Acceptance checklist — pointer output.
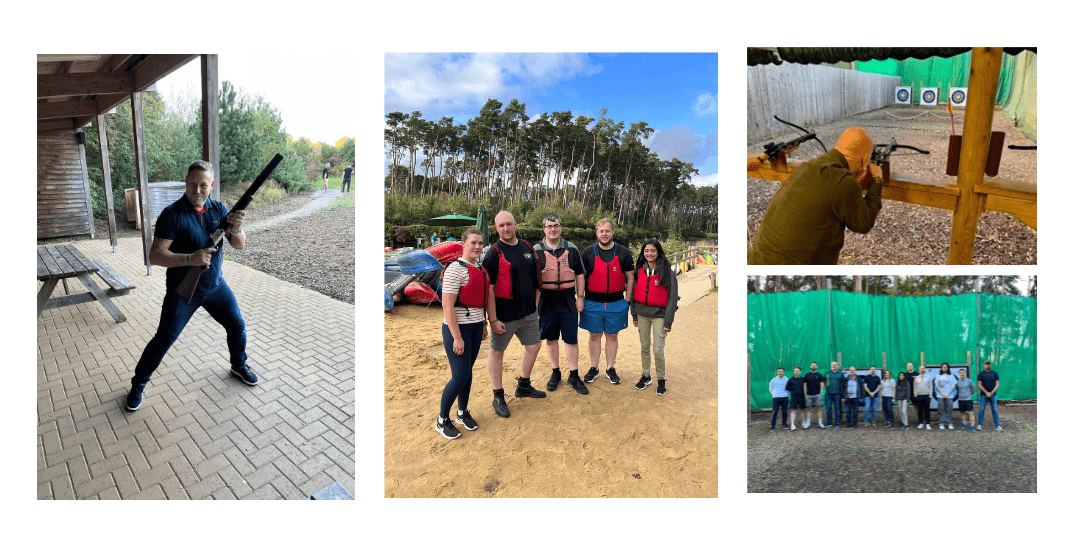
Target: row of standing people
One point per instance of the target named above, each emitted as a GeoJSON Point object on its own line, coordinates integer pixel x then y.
{"type": "Point", "coordinates": [546, 292]}
{"type": "Point", "coordinates": [833, 387]}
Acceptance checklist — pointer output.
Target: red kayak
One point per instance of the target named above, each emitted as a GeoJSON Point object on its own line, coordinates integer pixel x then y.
{"type": "Point", "coordinates": [445, 251]}
{"type": "Point", "coordinates": [420, 293]}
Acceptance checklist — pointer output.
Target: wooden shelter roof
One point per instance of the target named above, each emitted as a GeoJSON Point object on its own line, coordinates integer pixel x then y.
{"type": "Point", "coordinates": [74, 88]}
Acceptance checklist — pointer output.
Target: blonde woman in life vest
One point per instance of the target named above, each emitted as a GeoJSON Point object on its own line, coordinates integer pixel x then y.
{"type": "Point", "coordinates": [653, 305]}
{"type": "Point", "coordinates": [464, 300]}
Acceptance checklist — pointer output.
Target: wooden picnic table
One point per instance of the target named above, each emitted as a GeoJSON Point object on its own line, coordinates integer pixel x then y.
{"type": "Point", "coordinates": [58, 262]}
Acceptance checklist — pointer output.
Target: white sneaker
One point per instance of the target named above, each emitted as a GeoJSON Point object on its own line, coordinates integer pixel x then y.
{"type": "Point", "coordinates": [950, 426]}
{"type": "Point", "coordinates": [979, 428]}
{"type": "Point", "coordinates": [792, 427]}
{"type": "Point", "coordinates": [928, 426]}
{"type": "Point", "coordinates": [820, 424]}
{"type": "Point", "coordinates": [941, 426]}
{"type": "Point", "coordinates": [806, 425]}
{"type": "Point", "coordinates": [920, 426]}
{"type": "Point", "coordinates": [999, 429]}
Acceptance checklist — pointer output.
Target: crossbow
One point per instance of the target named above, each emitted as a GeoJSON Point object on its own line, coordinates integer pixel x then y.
{"type": "Point", "coordinates": [779, 151]}
{"type": "Point", "coordinates": [882, 152]}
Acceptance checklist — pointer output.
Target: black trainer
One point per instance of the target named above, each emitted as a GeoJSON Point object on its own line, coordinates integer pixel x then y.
{"type": "Point", "coordinates": [661, 387]}
{"type": "Point", "coordinates": [612, 376]}
{"type": "Point", "coordinates": [573, 381]}
{"type": "Point", "coordinates": [447, 429]}
{"type": "Point", "coordinates": [245, 374]}
{"type": "Point", "coordinates": [645, 381]}
{"type": "Point", "coordinates": [134, 398]}
{"type": "Point", "coordinates": [525, 389]}
{"type": "Point", "coordinates": [466, 419]}
{"type": "Point", "coordinates": [553, 382]}
{"type": "Point", "coordinates": [500, 407]}
{"type": "Point", "coordinates": [591, 375]}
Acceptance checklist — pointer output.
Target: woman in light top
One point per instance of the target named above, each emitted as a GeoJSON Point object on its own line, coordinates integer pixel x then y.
{"type": "Point", "coordinates": [888, 392]}
{"type": "Point", "coordinates": [464, 301]}
{"type": "Point", "coordinates": [923, 386]}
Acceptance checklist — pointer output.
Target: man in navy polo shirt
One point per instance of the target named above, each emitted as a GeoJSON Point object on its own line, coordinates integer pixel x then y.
{"type": "Point", "coordinates": [182, 230]}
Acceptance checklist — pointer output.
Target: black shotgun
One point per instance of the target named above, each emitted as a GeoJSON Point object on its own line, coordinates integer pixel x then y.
{"type": "Point", "coordinates": [191, 280]}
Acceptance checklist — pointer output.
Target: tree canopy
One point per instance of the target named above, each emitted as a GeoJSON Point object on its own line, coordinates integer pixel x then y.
{"type": "Point", "coordinates": [575, 164]}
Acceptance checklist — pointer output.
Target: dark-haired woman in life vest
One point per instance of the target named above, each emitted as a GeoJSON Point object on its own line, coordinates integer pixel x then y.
{"type": "Point", "coordinates": [609, 280]}
{"type": "Point", "coordinates": [561, 298]}
{"type": "Point", "coordinates": [512, 298]}
{"type": "Point", "coordinates": [653, 305]}
{"type": "Point", "coordinates": [464, 300]}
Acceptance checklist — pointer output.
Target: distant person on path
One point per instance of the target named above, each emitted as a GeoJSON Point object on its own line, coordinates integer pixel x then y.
{"type": "Point", "coordinates": [562, 295]}
{"type": "Point", "coordinates": [924, 385]}
{"type": "Point", "coordinates": [796, 391]}
{"type": "Point", "coordinates": [988, 388]}
{"type": "Point", "coordinates": [609, 282]}
{"type": "Point", "coordinates": [965, 390]}
{"type": "Point", "coordinates": [326, 176]}
{"type": "Point", "coordinates": [346, 180]}
{"type": "Point", "coordinates": [834, 391]}
{"type": "Point", "coordinates": [871, 387]}
{"type": "Point", "coordinates": [903, 395]}
{"type": "Point", "coordinates": [945, 387]}
{"type": "Point", "coordinates": [464, 300]}
{"type": "Point", "coordinates": [513, 295]}
{"type": "Point", "coordinates": [888, 392]}
{"type": "Point", "coordinates": [182, 231]}
{"type": "Point", "coordinates": [805, 222]}
{"type": "Point", "coordinates": [652, 306]}
{"type": "Point", "coordinates": [778, 388]}
{"type": "Point", "coordinates": [853, 395]}
{"type": "Point", "coordinates": [812, 383]}
{"type": "Point", "coordinates": [434, 239]}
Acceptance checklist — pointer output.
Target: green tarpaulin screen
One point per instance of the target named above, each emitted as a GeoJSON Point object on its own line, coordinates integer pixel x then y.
{"type": "Point", "coordinates": [793, 329]}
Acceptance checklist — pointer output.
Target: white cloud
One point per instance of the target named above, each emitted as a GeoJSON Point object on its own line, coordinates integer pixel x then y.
{"type": "Point", "coordinates": [705, 104]}
{"type": "Point", "coordinates": [681, 142]}
{"type": "Point", "coordinates": [706, 180]}
{"type": "Point", "coordinates": [427, 81]}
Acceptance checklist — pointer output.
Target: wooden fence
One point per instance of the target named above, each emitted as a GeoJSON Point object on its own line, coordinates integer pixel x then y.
{"type": "Point", "coordinates": [809, 95]}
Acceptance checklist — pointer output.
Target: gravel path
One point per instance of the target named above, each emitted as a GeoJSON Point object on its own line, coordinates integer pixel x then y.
{"type": "Point", "coordinates": [883, 460]}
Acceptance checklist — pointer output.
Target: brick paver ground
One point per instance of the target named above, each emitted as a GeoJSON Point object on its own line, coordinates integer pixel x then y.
{"type": "Point", "coordinates": [201, 433]}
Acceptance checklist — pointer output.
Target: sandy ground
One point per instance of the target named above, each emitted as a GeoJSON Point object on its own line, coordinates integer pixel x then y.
{"type": "Point", "coordinates": [614, 442]}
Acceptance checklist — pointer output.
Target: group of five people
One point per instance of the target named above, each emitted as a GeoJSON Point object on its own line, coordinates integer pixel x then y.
{"type": "Point", "coordinates": [832, 388]}
{"type": "Point", "coordinates": [545, 292]}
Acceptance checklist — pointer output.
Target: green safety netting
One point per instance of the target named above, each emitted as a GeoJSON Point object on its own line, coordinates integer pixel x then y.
{"type": "Point", "coordinates": [1016, 91]}
{"type": "Point", "coordinates": [793, 329]}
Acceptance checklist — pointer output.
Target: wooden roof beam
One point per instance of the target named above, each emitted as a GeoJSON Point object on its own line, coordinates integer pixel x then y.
{"type": "Point", "coordinates": [68, 109]}
{"type": "Point", "coordinates": [83, 84]}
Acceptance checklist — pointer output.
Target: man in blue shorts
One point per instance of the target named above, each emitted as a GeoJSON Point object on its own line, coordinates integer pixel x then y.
{"type": "Point", "coordinates": [561, 299]}
{"type": "Point", "coordinates": [609, 281]}
{"type": "Point", "coordinates": [513, 295]}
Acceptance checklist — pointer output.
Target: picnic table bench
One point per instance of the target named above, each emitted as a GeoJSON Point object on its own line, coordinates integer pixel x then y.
{"type": "Point", "coordinates": [57, 263]}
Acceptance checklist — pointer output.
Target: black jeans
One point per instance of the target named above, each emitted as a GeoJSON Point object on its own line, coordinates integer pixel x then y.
{"type": "Point", "coordinates": [922, 405]}
{"type": "Point", "coordinates": [779, 403]}
{"type": "Point", "coordinates": [346, 185]}
{"type": "Point", "coordinates": [460, 366]}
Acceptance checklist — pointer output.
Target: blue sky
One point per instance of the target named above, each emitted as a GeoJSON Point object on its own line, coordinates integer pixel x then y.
{"type": "Point", "coordinates": [674, 92]}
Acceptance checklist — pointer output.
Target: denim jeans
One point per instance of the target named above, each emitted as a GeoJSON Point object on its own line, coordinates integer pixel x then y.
{"type": "Point", "coordinates": [219, 302]}
{"type": "Point", "coordinates": [778, 404]}
{"type": "Point", "coordinates": [993, 408]}
{"type": "Point", "coordinates": [852, 411]}
{"type": "Point", "coordinates": [886, 407]}
{"type": "Point", "coordinates": [832, 402]}
{"type": "Point", "coordinates": [461, 365]}
{"type": "Point", "coordinates": [871, 409]}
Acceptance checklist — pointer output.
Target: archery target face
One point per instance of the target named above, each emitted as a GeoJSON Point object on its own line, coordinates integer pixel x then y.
{"type": "Point", "coordinates": [958, 96]}
{"type": "Point", "coordinates": [929, 96]}
{"type": "Point", "coordinates": [903, 95]}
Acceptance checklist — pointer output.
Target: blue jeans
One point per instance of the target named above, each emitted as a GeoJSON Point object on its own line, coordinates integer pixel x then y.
{"type": "Point", "coordinates": [778, 404]}
{"type": "Point", "coordinates": [852, 411]}
{"type": "Point", "coordinates": [871, 409]}
{"type": "Point", "coordinates": [886, 407]}
{"type": "Point", "coordinates": [832, 402]}
{"type": "Point", "coordinates": [993, 408]}
{"type": "Point", "coordinates": [461, 365]}
{"type": "Point", "coordinates": [219, 302]}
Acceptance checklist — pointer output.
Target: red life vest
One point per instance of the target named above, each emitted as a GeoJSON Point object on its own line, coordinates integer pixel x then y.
{"type": "Point", "coordinates": [557, 274]}
{"type": "Point", "coordinates": [606, 278]}
{"type": "Point", "coordinates": [649, 291]}
{"type": "Point", "coordinates": [473, 295]}
{"type": "Point", "coordinates": [504, 286]}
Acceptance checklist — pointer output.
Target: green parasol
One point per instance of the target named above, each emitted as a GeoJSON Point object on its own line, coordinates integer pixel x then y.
{"type": "Point", "coordinates": [449, 220]}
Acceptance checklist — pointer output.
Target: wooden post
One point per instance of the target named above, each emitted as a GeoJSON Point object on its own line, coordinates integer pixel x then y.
{"type": "Point", "coordinates": [883, 368]}
{"type": "Point", "coordinates": [978, 121]}
{"type": "Point", "coordinates": [922, 359]}
{"type": "Point", "coordinates": [86, 184]}
{"type": "Point", "coordinates": [103, 145]}
{"type": "Point", "coordinates": [211, 97]}
{"type": "Point", "coordinates": [139, 134]}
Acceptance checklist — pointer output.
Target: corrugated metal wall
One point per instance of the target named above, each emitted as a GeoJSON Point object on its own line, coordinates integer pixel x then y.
{"type": "Point", "coordinates": [809, 95]}
{"type": "Point", "coordinates": [63, 203]}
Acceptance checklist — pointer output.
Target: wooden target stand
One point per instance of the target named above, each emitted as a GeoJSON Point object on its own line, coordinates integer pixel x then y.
{"type": "Point", "coordinates": [971, 195]}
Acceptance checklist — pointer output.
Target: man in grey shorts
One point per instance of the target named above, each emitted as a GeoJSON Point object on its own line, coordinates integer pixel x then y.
{"type": "Point", "coordinates": [513, 295]}
{"type": "Point", "coordinates": [812, 384]}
